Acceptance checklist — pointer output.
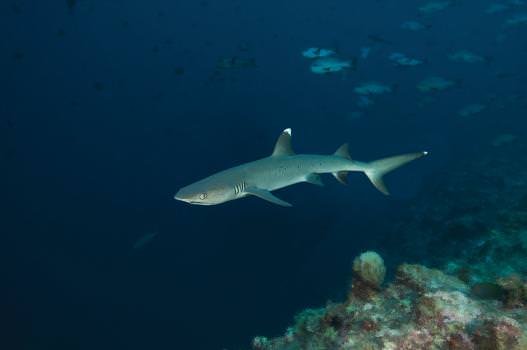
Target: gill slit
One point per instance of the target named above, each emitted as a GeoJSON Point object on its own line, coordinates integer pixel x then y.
{"type": "Point", "coordinates": [239, 188]}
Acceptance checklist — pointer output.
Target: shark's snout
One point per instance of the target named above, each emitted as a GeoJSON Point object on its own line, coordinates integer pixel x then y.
{"type": "Point", "coordinates": [191, 195]}
{"type": "Point", "coordinates": [180, 196]}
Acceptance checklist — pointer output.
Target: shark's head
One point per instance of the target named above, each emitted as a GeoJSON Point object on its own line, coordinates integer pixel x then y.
{"type": "Point", "coordinates": [206, 192]}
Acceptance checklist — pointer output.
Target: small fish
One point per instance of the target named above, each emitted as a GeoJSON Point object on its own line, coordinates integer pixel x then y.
{"type": "Point", "coordinates": [144, 240]}
{"type": "Point", "coordinates": [414, 26]}
{"type": "Point", "coordinates": [315, 52]}
{"type": "Point", "coordinates": [496, 8]}
{"type": "Point", "coordinates": [400, 59]}
{"type": "Point", "coordinates": [18, 55]}
{"type": "Point", "coordinates": [244, 47]}
{"type": "Point", "coordinates": [379, 39]}
{"type": "Point", "coordinates": [425, 101]}
{"type": "Point", "coordinates": [235, 63]}
{"type": "Point", "coordinates": [98, 86]}
{"type": "Point", "coordinates": [15, 7]}
{"type": "Point", "coordinates": [179, 71]}
{"type": "Point", "coordinates": [365, 52]}
{"type": "Point", "coordinates": [467, 56]}
{"type": "Point", "coordinates": [328, 65]}
{"type": "Point", "coordinates": [434, 84]}
{"type": "Point", "coordinates": [503, 139]}
{"type": "Point", "coordinates": [501, 37]}
{"type": "Point", "coordinates": [518, 19]}
{"type": "Point", "coordinates": [471, 109]}
{"type": "Point", "coordinates": [487, 290]}
{"type": "Point", "coordinates": [71, 5]}
{"type": "Point", "coordinates": [355, 115]}
{"type": "Point", "coordinates": [372, 88]}
{"type": "Point", "coordinates": [434, 6]}
{"type": "Point", "coordinates": [364, 101]}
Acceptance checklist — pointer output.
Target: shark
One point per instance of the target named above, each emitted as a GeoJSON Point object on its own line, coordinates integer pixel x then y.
{"type": "Point", "coordinates": [284, 168]}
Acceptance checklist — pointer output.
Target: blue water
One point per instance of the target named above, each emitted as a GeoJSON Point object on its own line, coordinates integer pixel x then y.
{"type": "Point", "coordinates": [108, 108]}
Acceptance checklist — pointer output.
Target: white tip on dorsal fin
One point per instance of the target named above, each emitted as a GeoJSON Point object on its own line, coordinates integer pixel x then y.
{"type": "Point", "coordinates": [283, 144]}
{"type": "Point", "coordinates": [343, 152]}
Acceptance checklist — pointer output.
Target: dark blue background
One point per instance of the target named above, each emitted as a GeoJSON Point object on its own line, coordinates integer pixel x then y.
{"type": "Point", "coordinates": [98, 132]}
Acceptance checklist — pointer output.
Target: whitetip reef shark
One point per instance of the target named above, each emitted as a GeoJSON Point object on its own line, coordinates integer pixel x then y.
{"type": "Point", "coordinates": [284, 168]}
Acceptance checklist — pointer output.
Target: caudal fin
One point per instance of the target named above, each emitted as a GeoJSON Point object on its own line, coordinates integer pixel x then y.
{"type": "Point", "coordinates": [378, 168]}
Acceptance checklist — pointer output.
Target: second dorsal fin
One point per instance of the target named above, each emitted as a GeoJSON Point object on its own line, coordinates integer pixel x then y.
{"type": "Point", "coordinates": [283, 144]}
{"type": "Point", "coordinates": [343, 152]}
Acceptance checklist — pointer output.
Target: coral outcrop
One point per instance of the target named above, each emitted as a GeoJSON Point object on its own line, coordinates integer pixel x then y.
{"type": "Point", "coordinates": [421, 309]}
{"type": "Point", "coordinates": [368, 274]}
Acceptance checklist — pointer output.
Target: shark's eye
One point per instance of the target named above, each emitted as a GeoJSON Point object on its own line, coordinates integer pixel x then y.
{"type": "Point", "coordinates": [202, 196]}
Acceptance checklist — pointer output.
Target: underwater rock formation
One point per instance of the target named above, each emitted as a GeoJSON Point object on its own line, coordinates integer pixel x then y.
{"type": "Point", "coordinates": [421, 309]}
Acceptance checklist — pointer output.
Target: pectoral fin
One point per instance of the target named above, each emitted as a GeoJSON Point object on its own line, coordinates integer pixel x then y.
{"type": "Point", "coordinates": [266, 195]}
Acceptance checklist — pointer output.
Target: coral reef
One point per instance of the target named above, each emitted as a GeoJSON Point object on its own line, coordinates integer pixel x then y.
{"type": "Point", "coordinates": [470, 229]}
{"type": "Point", "coordinates": [421, 309]}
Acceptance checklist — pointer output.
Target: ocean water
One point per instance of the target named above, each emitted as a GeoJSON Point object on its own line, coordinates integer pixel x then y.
{"type": "Point", "coordinates": [109, 107]}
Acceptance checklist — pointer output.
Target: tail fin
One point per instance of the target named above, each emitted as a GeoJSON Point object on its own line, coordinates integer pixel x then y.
{"type": "Point", "coordinates": [378, 168]}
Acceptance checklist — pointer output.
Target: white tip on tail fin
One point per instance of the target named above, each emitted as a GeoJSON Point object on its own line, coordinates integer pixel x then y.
{"type": "Point", "coordinates": [378, 168]}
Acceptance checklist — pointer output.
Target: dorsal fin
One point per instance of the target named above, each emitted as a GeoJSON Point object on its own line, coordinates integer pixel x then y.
{"type": "Point", "coordinates": [343, 152]}
{"type": "Point", "coordinates": [283, 144]}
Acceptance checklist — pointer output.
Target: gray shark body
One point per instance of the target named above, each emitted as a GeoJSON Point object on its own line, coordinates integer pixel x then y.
{"type": "Point", "coordinates": [284, 168]}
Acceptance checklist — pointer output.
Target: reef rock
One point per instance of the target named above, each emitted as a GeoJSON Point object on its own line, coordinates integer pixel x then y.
{"type": "Point", "coordinates": [424, 279]}
{"type": "Point", "coordinates": [422, 309]}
